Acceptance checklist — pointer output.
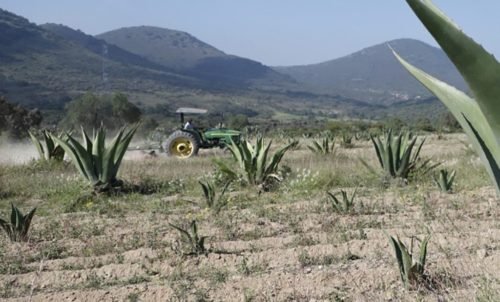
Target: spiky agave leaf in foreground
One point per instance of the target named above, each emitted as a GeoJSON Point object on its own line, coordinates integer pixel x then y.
{"type": "Point", "coordinates": [479, 117]}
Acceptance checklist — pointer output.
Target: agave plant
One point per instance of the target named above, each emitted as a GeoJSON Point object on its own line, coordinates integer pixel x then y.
{"type": "Point", "coordinates": [324, 147]}
{"type": "Point", "coordinates": [254, 163]}
{"type": "Point", "coordinates": [478, 116]}
{"type": "Point", "coordinates": [193, 244]}
{"type": "Point", "coordinates": [347, 140]}
{"type": "Point", "coordinates": [214, 202]}
{"type": "Point", "coordinates": [445, 180]}
{"type": "Point", "coordinates": [47, 148]}
{"type": "Point", "coordinates": [411, 270]}
{"type": "Point", "coordinates": [17, 229]}
{"type": "Point", "coordinates": [399, 155]}
{"type": "Point", "coordinates": [95, 162]}
{"type": "Point", "coordinates": [343, 205]}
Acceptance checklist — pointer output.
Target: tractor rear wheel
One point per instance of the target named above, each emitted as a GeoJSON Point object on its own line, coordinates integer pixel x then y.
{"type": "Point", "coordinates": [181, 144]}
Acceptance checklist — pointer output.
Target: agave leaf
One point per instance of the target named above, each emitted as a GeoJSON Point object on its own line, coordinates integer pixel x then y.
{"type": "Point", "coordinates": [376, 142]}
{"type": "Point", "coordinates": [26, 224]}
{"type": "Point", "coordinates": [122, 149]}
{"type": "Point", "coordinates": [108, 167]}
{"type": "Point", "coordinates": [405, 160]}
{"type": "Point", "coordinates": [183, 232]}
{"type": "Point", "coordinates": [469, 116]}
{"type": "Point", "coordinates": [407, 262]}
{"type": "Point", "coordinates": [423, 254]}
{"type": "Point", "coordinates": [451, 178]}
{"type": "Point", "coordinates": [78, 152]}
{"type": "Point", "coordinates": [480, 118]}
{"type": "Point", "coordinates": [399, 257]}
{"type": "Point", "coordinates": [98, 150]}
{"type": "Point", "coordinates": [261, 162]}
{"type": "Point", "coordinates": [478, 67]}
{"type": "Point", "coordinates": [38, 145]}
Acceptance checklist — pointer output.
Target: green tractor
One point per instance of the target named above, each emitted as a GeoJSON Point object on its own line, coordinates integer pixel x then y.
{"type": "Point", "coordinates": [186, 141]}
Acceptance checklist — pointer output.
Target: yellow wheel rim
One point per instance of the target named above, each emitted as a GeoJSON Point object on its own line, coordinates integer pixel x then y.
{"type": "Point", "coordinates": [181, 147]}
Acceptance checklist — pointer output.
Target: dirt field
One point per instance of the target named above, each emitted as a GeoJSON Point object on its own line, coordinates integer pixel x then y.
{"type": "Point", "coordinates": [284, 245]}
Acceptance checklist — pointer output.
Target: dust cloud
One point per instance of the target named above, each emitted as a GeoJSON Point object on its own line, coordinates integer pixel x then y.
{"type": "Point", "coordinates": [15, 153]}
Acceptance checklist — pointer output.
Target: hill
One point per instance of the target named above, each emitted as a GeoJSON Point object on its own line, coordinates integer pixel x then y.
{"type": "Point", "coordinates": [171, 48]}
{"type": "Point", "coordinates": [374, 75]}
{"type": "Point", "coordinates": [40, 67]}
{"type": "Point", "coordinates": [99, 46]}
{"type": "Point", "coordinates": [181, 51]}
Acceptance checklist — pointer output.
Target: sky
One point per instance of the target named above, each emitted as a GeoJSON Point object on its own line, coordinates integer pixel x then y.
{"type": "Point", "coordinates": [274, 32]}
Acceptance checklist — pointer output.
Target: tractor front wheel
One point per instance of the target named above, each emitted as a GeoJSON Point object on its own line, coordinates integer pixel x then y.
{"type": "Point", "coordinates": [181, 144]}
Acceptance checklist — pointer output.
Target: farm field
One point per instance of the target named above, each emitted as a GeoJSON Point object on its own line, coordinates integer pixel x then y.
{"type": "Point", "coordinates": [287, 244]}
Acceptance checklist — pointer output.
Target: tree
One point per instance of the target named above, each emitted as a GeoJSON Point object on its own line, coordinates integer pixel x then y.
{"type": "Point", "coordinates": [17, 120]}
{"type": "Point", "coordinates": [91, 111]}
{"type": "Point", "coordinates": [124, 112]}
{"type": "Point", "coordinates": [238, 121]}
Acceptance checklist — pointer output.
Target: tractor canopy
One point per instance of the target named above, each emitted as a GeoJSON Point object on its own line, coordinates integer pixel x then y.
{"type": "Point", "coordinates": [187, 110]}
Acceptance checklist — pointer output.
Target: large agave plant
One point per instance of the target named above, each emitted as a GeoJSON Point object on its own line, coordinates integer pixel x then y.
{"type": "Point", "coordinates": [254, 161]}
{"type": "Point", "coordinates": [478, 116]}
{"type": "Point", "coordinates": [47, 148]}
{"type": "Point", "coordinates": [399, 155]}
{"type": "Point", "coordinates": [95, 162]}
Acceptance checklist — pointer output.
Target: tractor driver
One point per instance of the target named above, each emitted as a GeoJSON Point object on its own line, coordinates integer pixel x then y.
{"type": "Point", "coordinates": [189, 125]}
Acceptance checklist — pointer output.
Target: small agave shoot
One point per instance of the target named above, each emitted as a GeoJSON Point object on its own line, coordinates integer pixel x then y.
{"type": "Point", "coordinates": [344, 204]}
{"type": "Point", "coordinates": [399, 155]}
{"type": "Point", "coordinates": [96, 163]}
{"type": "Point", "coordinates": [214, 202]}
{"type": "Point", "coordinates": [412, 271]}
{"type": "Point", "coordinates": [191, 243]}
{"type": "Point", "coordinates": [324, 147]}
{"type": "Point", "coordinates": [445, 180]}
{"type": "Point", "coordinates": [347, 141]}
{"type": "Point", "coordinates": [478, 116]}
{"type": "Point", "coordinates": [255, 164]}
{"type": "Point", "coordinates": [47, 148]}
{"type": "Point", "coordinates": [17, 229]}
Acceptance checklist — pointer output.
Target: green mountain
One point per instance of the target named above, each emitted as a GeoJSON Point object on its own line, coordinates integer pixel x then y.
{"type": "Point", "coordinates": [45, 66]}
{"type": "Point", "coordinates": [374, 75]}
{"type": "Point", "coordinates": [100, 47]}
{"type": "Point", "coordinates": [182, 52]}
{"type": "Point", "coordinates": [171, 48]}
{"type": "Point", "coordinates": [40, 67]}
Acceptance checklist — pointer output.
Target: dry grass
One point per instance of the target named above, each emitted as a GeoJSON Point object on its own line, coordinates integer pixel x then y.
{"type": "Point", "coordinates": [286, 245]}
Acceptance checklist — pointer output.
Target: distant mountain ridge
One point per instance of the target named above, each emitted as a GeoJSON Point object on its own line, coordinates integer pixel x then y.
{"type": "Point", "coordinates": [181, 51]}
{"type": "Point", "coordinates": [47, 65]}
{"type": "Point", "coordinates": [166, 47]}
{"type": "Point", "coordinates": [99, 46]}
{"type": "Point", "coordinates": [374, 75]}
